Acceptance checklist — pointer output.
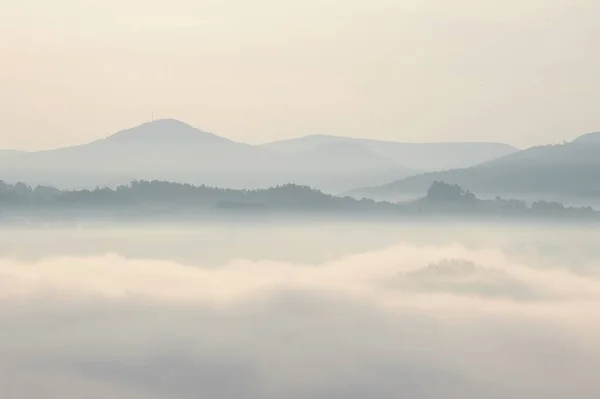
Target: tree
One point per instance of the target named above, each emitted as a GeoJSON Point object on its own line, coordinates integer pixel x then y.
{"type": "Point", "coordinates": [444, 192]}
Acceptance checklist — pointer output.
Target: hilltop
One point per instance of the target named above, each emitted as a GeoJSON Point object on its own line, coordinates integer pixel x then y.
{"type": "Point", "coordinates": [173, 150]}
{"type": "Point", "coordinates": [563, 171]}
{"type": "Point", "coordinates": [418, 156]}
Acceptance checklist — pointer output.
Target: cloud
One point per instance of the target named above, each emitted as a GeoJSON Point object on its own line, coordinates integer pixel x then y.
{"type": "Point", "coordinates": [467, 278]}
{"type": "Point", "coordinates": [406, 321]}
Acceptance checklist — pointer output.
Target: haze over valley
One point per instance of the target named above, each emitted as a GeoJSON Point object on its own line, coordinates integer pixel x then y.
{"type": "Point", "coordinates": [303, 310]}
{"type": "Point", "coordinates": [565, 172]}
{"type": "Point", "coordinates": [317, 199]}
{"type": "Point", "coordinates": [172, 150]}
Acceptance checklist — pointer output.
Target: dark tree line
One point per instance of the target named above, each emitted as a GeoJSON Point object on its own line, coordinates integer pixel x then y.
{"type": "Point", "coordinates": [162, 192]}
{"type": "Point", "coordinates": [441, 197]}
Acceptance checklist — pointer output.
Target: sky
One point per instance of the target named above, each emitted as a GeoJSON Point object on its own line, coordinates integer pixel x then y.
{"type": "Point", "coordinates": [524, 73]}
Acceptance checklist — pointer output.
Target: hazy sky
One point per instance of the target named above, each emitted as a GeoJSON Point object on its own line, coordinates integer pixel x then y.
{"type": "Point", "coordinates": [522, 72]}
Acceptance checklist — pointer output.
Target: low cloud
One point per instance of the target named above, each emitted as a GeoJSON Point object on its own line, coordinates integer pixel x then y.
{"type": "Point", "coordinates": [406, 321]}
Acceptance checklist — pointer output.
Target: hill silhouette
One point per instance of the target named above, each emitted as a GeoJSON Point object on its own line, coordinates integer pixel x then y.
{"type": "Point", "coordinates": [8, 154]}
{"type": "Point", "coordinates": [172, 150]}
{"type": "Point", "coordinates": [418, 156]}
{"type": "Point", "coordinates": [593, 137]}
{"type": "Point", "coordinates": [563, 171]}
{"type": "Point", "coordinates": [164, 132]}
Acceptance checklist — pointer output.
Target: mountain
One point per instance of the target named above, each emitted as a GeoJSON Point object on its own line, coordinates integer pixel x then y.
{"type": "Point", "coordinates": [559, 172]}
{"type": "Point", "coordinates": [593, 137]}
{"type": "Point", "coordinates": [161, 149]}
{"type": "Point", "coordinates": [418, 156]}
{"type": "Point", "coordinates": [172, 150]}
{"type": "Point", "coordinates": [8, 154]}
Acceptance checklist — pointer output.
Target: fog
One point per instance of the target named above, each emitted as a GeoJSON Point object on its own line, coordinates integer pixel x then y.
{"type": "Point", "coordinates": [304, 310]}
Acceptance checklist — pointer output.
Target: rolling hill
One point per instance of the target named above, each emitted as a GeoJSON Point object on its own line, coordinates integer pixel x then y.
{"type": "Point", "coordinates": [172, 150]}
{"type": "Point", "coordinates": [558, 172]}
{"type": "Point", "coordinates": [8, 154]}
{"type": "Point", "coordinates": [424, 157]}
{"type": "Point", "coordinates": [593, 137]}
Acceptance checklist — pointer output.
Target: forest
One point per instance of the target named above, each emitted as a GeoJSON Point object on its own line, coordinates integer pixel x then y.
{"type": "Point", "coordinates": [145, 195]}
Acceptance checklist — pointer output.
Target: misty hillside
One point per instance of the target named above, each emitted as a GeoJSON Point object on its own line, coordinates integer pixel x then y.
{"type": "Point", "coordinates": [8, 154]}
{"type": "Point", "coordinates": [172, 150]}
{"type": "Point", "coordinates": [564, 171]}
{"type": "Point", "coordinates": [150, 199]}
{"type": "Point", "coordinates": [418, 156]}
{"type": "Point", "coordinates": [593, 137]}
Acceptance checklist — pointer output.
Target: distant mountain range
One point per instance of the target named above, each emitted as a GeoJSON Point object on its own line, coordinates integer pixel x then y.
{"type": "Point", "coordinates": [172, 150]}
{"type": "Point", "coordinates": [559, 172]}
{"type": "Point", "coordinates": [417, 156]}
{"type": "Point", "coordinates": [8, 154]}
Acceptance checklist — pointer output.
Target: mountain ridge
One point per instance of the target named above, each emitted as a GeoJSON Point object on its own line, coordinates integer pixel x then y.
{"type": "Point", "coordinates": [571, 169]}
{"type": "Point", "coordinates": [173, 150]}
{"type": "Point", "coordinates": [589, 137]}
{"type": "Point", "coordinates": [417, 156]}
{"type": "Point", "coordinates": [163, 130]}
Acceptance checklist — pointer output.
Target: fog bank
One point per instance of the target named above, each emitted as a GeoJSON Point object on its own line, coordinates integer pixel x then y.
{"type": "Point", "coordinates": [405, 320]}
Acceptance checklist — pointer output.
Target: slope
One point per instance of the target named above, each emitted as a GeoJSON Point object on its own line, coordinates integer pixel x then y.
{"type": "Point", "coordinates": [175, 151]}
{"type": "Point", "coordinates": [564, 171]}
{"type": "Point", "coordinates": [417, 156]}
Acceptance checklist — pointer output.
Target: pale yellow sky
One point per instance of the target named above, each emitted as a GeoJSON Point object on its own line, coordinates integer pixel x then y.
{"type": "Point", "coordinates": [522, 72]}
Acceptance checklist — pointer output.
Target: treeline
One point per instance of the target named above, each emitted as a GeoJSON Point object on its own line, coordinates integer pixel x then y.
{"type": "Point", "coordinates": [452, 196]}
{"type": "Point", "coordinates": [162, 192]}
{"type": "Point", "coordinates": [145, 196]}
